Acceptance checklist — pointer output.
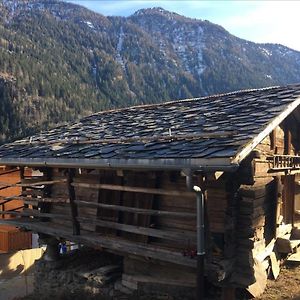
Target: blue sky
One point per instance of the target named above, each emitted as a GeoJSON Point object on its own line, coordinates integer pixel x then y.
{"type": "Point", "coordinates": [258, 21]}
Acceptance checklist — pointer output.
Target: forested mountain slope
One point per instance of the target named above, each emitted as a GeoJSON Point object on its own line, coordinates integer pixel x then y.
{"type": "Point", "coordinates": [60, 61]}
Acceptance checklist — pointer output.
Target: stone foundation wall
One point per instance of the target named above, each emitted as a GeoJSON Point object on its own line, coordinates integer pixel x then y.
{"type": "Point", "coordinates": [91, 274]}
{"type": "Point", "coordinates": [77, 273]}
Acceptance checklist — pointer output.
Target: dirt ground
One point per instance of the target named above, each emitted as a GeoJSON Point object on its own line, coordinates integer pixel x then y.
{"type": "Point", "coordinates": [287, 285]}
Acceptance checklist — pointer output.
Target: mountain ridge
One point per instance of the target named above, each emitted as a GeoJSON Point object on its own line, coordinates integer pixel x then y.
{"type": "Point", "coordinates": [68, 62]}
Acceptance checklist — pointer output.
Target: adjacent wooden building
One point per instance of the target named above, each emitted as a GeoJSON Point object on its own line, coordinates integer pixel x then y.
{"type": "Point", "coordinates": [122, 181]}
{"type": "Point", "coordinates": [11, 238]}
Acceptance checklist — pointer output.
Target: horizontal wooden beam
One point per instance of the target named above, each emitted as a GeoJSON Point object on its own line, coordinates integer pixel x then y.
{"type": "Point", "coordinates": [9, 171]}
{"type": "Point", "coordinates": [186, 237]}
{"type": "Point", "coordinates": [97, 240]}
{"type": "Point", "coordinates": [34, 184]}
{"type": "Point", "coordinates": [5, 201]}
{"type": "Point", "coordinates": [34, 199]}
{"type": "Point", "coordinates": [136, 210]}
{"type": "Point", "coordinates": [33, 213]}
{"type": "Point", "coordinates": [2, 198]}
{"type": "Point", "coordinates": [122, 188]}
{"type": "Point", "coordinates": [178, 236]}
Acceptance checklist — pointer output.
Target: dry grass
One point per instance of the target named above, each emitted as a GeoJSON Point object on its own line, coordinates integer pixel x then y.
{"type": "Point", "coordinates": [287, 285]}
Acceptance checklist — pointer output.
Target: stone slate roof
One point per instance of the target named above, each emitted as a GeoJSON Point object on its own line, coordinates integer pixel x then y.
{"type": "Point", "coordinates": [203, 128]}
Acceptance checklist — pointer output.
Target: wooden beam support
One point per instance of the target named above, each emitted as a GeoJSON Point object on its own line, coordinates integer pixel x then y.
{"type": "Point", "coordinates": [178, 236]}
{"type": "Point", "coordinates": [273, 140]}
{"type": "Point", "coordinates": [29, 185]}
{"type": "Point", "coordinates": [135, 210]}
{"type": "Point", "coordinates": [9, 171]}
{"type": "Point", "coordinates": [185, 237]}
{"type": "Point", "coordinates": [34, 199]}
{"type": "Point", "coordinates": [32, 213]}
{"type": "Point", "coordinates": [122, 188]}
{"type": "Point", "coordinates": [288, 199]}
{"type": "Point", "coordinates": [113, 244]}
{"type": "Point", "coordinates": [287, 139]}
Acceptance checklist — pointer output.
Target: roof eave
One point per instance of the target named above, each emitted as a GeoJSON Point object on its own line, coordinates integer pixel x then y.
{"type": "Point", "coordinates": [197, 164]}
{"type": "Point", "coordinates": [245, 150]}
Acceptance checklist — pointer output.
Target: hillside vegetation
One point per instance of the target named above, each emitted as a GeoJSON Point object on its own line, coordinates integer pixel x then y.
{"type": "Point", "coordinates": [60, 61]}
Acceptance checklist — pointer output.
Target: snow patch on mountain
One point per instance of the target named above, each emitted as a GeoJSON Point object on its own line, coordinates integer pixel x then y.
{"type": "Point", "coordinates": [119, 58]}
{"type": "Point", "coordinates": [89, 24]}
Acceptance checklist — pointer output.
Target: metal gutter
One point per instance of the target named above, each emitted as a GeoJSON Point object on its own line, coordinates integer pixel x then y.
{"type": "Point", "coordinates": [211, 165]}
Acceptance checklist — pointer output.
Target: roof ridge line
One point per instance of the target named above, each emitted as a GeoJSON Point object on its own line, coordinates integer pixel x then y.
{"type": "Point", "coordinates": [183, 100]}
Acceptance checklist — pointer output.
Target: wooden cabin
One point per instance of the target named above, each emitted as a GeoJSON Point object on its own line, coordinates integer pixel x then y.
{"type": "Point", "coordinates": [122, 181]}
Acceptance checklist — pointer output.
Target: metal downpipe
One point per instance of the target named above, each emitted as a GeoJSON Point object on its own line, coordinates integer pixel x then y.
{"type": "Point", "coordinates": [200, 234]}
{"type": "Point", "coordinates": [200, 242]}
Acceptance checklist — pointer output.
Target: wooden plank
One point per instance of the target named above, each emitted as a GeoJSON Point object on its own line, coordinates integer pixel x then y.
{"type": "Point", "coordinates": [106, 197]}
{"type": "Point", "coordinates": [288, 199]}
{"type": "Point", "coordinates": [168, 235]}
{"type": "Point", "coordinates": [275, 265]}
{"type": "Point", "coordinates": [137, 210]}
{"type": "Point", "coordinates": [34, 199]}
{"type": "Point", "coordinates": [34, 184]}
{"type": "Point", "coordinates": [9, 171]}
{"type": "Point", "coordinates": [260, 257]}
{"type": "Point", "coordinates": [72, 198]}
{"type": "Point", "coordinates": [135, 189]}
{"type": "Point", "coordinates": [287, 140]}
{"type": "Point", "coordinates": [136, 279]}
{"type": "Point", "coordinates": [33, 213]}
{"type": "Point", "coordinates": [260, 275]}
{"type": "Point", "coordinates": [294, 258]}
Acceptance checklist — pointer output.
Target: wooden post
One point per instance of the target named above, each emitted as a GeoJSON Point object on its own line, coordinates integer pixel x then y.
{"type": "Point", "coordinates": [22, 176]}
{"type": "Point", "coordinates": [287, 139]}
{"type": "Point", "coordinates": [72, 198]}
{"type": "Point", "coordinates": [278, 208]}
{"type": "Point", "coordinates": [228, 293]}
{"type": "Point", "coordinates": [120, 216]}
{"type": "Point", "coordinates": [45, 207]}
{"type": "Point", "coordinates": [289, 199]}
{"type": "Point", "coordinates": [273, 140]}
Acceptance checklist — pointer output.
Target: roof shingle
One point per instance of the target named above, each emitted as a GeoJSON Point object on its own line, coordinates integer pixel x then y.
{"type": "Point", "coordinates": [207, 127]}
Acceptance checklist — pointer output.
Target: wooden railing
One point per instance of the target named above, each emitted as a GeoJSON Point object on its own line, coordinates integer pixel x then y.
{"type": "Point", "coordinates": [284, 162]}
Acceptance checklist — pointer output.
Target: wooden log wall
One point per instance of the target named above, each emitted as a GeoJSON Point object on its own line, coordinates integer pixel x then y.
{"type": "Point", "coordinates": [146, 214]}
{"type": "Point", "coordinates": [217, 202]}
{"type": "Point", "coordinates": [263, 206]}
{"type": "Point", "coordinates": [141, 207]}
{"type": "Point", "coordinates": [283, 140]}
{"type": "Point", "coordinates": [255, 229]}
{"type": "Point", "coordinates": [174, 181]}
